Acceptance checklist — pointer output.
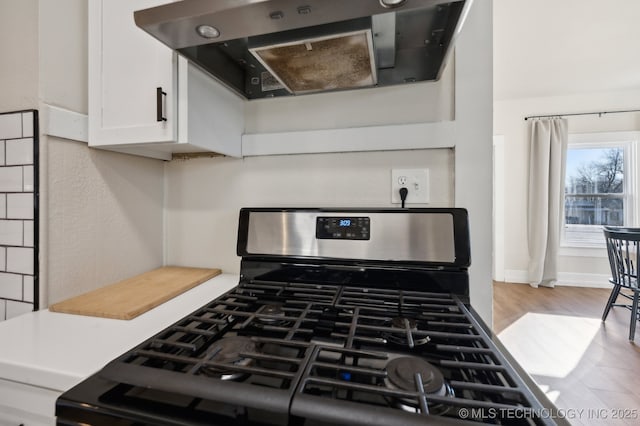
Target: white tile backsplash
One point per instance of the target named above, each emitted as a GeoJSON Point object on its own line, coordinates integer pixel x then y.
{"type": "Point", "coordinates": [20, 206]}
{"type": "Point", "coordinates": [11, 179]}
{"type": "Point", "coordinates": [18, 308]}
{"type": "Point", "coordinates": [20, 260]}
{"type": "Point", "coordinates": [17, 201]}
{"type": "Point", "coordinates": [11, 233]}
{"type": "Point", "coordinates": [28, 233]}
{"type": "Point", "coordinates": [27, 178]}
{"type": "Point", "coordinates": [27, 289]}
{"type": "Point", "coordinates": [19, 151]}
{"type": "Point", "coordinates": [10, 126]}
{"type": "Point", "coordinates": [27, 124]}
{"type": "Point", "coordinates": [3, 206]}
{"type": "Point", "coordinates": [10, 286]}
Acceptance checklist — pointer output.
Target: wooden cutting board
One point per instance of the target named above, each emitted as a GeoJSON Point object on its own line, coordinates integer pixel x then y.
{"type": "Point", "coordinates": [134, 296]}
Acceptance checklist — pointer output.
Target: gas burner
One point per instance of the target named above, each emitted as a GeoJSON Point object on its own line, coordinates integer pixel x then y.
{"type": "Point", "coordinates": [401, 374]}
{"type": "Point", "coordinates": [275, 314]}
{"type": "Point", "coordinates": [401, 322]}
{"type": "Point", "coordinates": [228, 351]}
{"type": "Point", "coordinates": [401, 336]}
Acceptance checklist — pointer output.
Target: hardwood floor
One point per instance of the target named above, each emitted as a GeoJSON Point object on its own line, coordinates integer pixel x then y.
{"type": "Point", "coordinates": [585, 366]}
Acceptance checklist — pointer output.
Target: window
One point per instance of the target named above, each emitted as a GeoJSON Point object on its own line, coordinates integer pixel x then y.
{"type": "Point", "coordinates": [598, 186]}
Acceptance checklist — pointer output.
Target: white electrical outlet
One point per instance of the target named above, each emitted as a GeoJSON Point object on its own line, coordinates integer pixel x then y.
{"type": "Point", "coordinates": [415, 180]}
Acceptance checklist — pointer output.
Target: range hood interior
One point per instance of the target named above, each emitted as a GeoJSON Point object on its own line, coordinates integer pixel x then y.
{"type": "Point", "coordinates": [274, 48]}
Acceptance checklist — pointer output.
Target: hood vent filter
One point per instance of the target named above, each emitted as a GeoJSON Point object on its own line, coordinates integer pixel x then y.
{"type": "Point", "coordinates": [340, 61]}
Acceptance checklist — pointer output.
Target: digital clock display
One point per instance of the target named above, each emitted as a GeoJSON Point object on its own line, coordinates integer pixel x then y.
{"type": "Point", "coordinates": [343, 228]}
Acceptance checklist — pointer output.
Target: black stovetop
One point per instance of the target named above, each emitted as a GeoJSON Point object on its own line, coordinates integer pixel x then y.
{"type": "Point", "coordinates": [320, 341]}
{"type": "Point", "coordinates": [289, 352]}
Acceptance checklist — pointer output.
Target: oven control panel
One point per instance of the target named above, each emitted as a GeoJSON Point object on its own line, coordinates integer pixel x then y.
{"type": "Point", "coordinates": [343, 228]}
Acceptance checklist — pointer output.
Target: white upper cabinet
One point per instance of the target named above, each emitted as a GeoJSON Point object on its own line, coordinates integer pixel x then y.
{"type": "Point", "coordinates": [145, 99]}
{"type": "Point", "coordinates": [126, 67]}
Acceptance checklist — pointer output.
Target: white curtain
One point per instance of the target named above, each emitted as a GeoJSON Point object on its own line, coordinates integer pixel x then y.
{"type": "Point", "coordinates": [547, 154]}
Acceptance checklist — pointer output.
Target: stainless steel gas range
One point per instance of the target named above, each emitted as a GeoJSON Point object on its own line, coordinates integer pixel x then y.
{"type": "Point", "coordinates": [341, 316]}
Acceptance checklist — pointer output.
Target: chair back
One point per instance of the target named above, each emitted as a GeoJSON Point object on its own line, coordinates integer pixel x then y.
{"type": "Point", "coordinates": [624, 256]}
{"type": "Point", "coordinates": [620, 228]}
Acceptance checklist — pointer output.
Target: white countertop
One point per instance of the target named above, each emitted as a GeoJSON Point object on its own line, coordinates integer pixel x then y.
{"type": "Point", "coordinates": [56, 351]}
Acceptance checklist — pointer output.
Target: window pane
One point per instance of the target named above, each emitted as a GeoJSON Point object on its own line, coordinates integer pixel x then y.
{"type": "Point", "coordinates": [594, 193]}
{"type": "Point", "coordinates": [593, 210]}
{"type": "Point", "coordinates": [594, 171]}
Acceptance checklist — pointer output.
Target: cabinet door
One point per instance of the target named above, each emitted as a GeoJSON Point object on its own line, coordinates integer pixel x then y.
{"type": "Point", "coordinates": [126, 66]}
{"type": "Point", "coordinates": [22, 404]}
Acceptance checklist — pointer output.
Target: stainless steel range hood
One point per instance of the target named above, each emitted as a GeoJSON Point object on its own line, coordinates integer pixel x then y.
{"type": "Point", "coordinates": [266, 48]}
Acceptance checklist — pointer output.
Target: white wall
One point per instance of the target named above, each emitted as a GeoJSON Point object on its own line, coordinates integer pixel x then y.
{"type": "Point", "coordinates": [62, 53]}
{"type": "Point", "coordinates": [474, 147]}
{"type": "Point", "coordinates": [509, 122]}
{"type": "Point", "coordinates": [19, 53]}
{"type": "Point", "coordinates": [104, 217]}
{"type": "Point", "coordinates": [202, 206]}
{"type": "Point", "coordinates": [205, 195]}
{"type": "Point", "coordinates": [549, 47]}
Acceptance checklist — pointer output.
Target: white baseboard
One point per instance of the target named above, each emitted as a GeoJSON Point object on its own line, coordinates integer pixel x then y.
{"type": "Point", "coordinates": [575, 279]}
{"type": "Point", "coordinates": [567, 279]}
{"type": "Point", "coordinates": [516, 276]}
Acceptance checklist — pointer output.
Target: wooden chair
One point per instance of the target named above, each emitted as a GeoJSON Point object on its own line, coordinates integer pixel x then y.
{"type": "Point", "coordinates": [624, 259]}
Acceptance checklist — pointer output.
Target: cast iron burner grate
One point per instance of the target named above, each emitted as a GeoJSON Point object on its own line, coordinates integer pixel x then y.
{"type": "Point", "coordinates": [270, 342]}
{"type": "Point", "coordinates": [360, 382]}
